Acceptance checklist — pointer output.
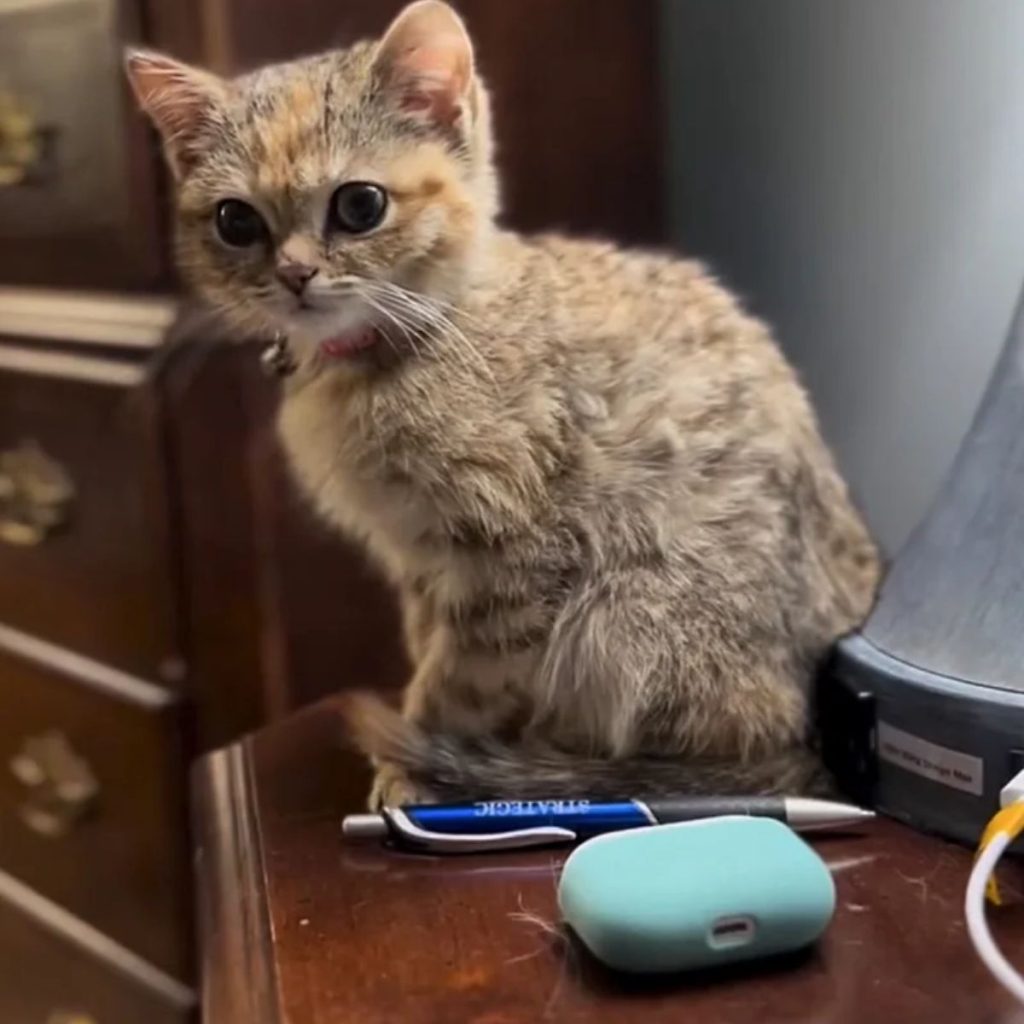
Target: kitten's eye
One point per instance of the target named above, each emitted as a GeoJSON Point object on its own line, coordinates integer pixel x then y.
{"type": "Point", "coordinates": [239, 225]}
{"type": "Point", "coordinates": [358, 207]}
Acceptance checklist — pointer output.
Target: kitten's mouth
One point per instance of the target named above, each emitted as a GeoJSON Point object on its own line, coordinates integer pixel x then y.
{"type": "Point", "coordinates": [342, 346]}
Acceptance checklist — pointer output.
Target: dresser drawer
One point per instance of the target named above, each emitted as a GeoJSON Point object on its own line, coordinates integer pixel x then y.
{"type": "Point", "coordinates": [92, 804]}
{"type": "Point", "coordinates": [57, 971]}
{"type": "Point", "coordinates": [84, 556]}
{"type": "Point", "coordinates": [78, 185]}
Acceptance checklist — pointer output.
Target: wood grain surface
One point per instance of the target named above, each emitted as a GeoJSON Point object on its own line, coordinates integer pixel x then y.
{"type": "Point", "coordinates": [363, 934]}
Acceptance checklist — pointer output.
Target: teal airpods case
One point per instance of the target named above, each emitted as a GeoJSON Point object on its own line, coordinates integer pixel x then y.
{"type": "Point", "coordinates": [696, 894]}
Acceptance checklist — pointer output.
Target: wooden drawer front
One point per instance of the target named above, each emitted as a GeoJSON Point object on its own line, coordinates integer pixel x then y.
{"type": "Point", "coordinates": [110, 844]}
{"type": "Point", "coordinates": [83, 555]}
{"type": "Point", "coordinates": [55, 972]}
{"type": "Point", "coordinates": [77, 181]}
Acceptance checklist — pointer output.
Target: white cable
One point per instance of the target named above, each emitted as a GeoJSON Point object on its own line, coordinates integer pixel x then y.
{"type": "Point", "coordinates": [1013, 791]}
{"type": "Point", "coordinates": [977, 923]}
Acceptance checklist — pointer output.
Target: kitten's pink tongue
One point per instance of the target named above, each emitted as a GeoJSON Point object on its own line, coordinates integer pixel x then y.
{"type": "Point", "coordinates": [345, 344]}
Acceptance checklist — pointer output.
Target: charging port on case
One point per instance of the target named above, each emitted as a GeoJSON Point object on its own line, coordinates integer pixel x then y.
{"type": "Point", "coordinates": [729, 932]}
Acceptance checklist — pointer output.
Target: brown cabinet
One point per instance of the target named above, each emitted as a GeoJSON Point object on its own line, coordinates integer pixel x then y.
{"type": "Point", "coordinates": [82, 559]}
{"type": "Point", "coordinates": [163, 587]}
{"type": "Point", "coordinates": [78, 199]}
{"type": "Point", "coordinates": [95, 713]}
{"type": "Point", "coordinates": [55, 971]}
{"type": "Point", "coordinates": [91, 800]}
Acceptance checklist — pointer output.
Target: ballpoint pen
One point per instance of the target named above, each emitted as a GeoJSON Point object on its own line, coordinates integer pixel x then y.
{"type": "Point", "coordinates": [514, 824]}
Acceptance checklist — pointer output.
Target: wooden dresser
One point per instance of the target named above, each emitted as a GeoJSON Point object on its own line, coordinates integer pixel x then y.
{"type": "Point", "coordinates": [162, 588]}
{"type": "Point", "coordinates": [94, 879]}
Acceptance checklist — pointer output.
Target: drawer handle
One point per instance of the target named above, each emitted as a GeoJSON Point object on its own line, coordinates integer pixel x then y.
{"type": "Point", "coordinates": [63, 1017]}
{"type": "Point", "coordinates": [36, 494]}
{"type": "Point", "coordinates": [23, 143]}
{"type": "Point", "coordinates": [62, 789]}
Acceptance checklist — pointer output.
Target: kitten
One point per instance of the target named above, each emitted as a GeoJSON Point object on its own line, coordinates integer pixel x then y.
{"type": "Point", "coordinates": [620, 543]}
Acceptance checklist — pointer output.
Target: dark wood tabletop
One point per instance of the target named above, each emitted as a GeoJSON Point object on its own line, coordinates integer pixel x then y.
{"type": "Point", "coordinates": [299, 926]}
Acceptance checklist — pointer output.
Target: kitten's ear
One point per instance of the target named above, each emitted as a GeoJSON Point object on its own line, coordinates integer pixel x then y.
{"type": "Point", "coordinates": [426, 57]}
{"type": "Point", "coordinates": [180, 100]}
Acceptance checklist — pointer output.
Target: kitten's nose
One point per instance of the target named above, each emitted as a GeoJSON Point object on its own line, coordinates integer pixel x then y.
{"type": "Point", "coordinates": [295, 276]}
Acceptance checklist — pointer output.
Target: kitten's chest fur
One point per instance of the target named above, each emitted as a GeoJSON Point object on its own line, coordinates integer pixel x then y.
{"type": "Point", "coordinates": [432, 468]}
{"type": "Point", "coordinates": [606, 494]}
{"type": "Point", "coordinates": [521, 406]}
{"type": "Point", "coordinates": [454, 499]}
{"type": "Point", "coordinates": [356, 475]}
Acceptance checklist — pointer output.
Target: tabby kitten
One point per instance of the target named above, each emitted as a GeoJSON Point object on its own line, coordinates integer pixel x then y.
{"type": "Point", "coordinates": [621, 545]}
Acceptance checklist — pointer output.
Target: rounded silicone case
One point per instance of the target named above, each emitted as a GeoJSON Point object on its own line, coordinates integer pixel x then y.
{"type": "Point", "coordinates": [696, 894]}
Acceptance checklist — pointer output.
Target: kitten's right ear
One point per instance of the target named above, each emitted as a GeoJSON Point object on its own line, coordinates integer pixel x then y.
{"type": "Point", "coordinates": [179, 99]}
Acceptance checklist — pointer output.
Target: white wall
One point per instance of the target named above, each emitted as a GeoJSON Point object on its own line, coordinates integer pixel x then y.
{"type": "Point", "coordinates": [855, 168]}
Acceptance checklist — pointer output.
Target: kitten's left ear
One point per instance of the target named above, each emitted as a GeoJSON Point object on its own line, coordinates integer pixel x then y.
{"type": "Point", "coordinates": [181, 101]}
{"type": "Point", "coordinates": [426, 57]}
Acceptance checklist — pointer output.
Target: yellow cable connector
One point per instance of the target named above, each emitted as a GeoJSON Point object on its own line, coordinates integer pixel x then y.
{"type": "Point", "coordinates": [1009, 820]}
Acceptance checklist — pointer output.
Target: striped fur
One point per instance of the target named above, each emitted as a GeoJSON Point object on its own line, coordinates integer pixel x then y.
{"type": "Point", "coordinates": [621, 545]}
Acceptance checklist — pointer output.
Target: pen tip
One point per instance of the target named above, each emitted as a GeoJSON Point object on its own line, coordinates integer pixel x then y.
{"type": "Point", "coordinates": [808, 813]}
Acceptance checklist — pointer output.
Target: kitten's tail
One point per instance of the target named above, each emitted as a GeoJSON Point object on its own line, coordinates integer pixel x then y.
{"type": "Point", "coordinates": [455, 768]}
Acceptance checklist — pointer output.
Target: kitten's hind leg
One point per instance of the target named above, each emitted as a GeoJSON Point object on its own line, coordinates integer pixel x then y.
{"type": "Point", "coordinates": [375, 729]}
{"type": "Point", "coordinates": [393, 788]}
{"type": "Point", "coordinates": [640, 664]}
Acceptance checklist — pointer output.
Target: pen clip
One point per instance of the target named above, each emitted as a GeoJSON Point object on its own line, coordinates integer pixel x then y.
{"type": "Point", "coordinates": [449, 842]}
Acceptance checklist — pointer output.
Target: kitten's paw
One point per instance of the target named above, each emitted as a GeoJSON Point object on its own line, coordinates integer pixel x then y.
{"type": "Point", "coordinates": [393, 788]}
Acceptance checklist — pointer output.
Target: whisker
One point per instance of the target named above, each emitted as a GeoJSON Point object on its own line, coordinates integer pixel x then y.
{"type": "Point", "coordinates": [425, 320]}
{"type": "Point", "coordinates": [431, 310]}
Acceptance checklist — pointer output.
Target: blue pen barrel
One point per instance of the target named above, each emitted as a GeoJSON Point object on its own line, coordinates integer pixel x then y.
{"type": "Point", "coordinates": [584, 817]}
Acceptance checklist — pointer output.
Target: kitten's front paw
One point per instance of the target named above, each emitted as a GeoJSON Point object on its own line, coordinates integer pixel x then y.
{"type": "Point", "coordinates": [393, 788]}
